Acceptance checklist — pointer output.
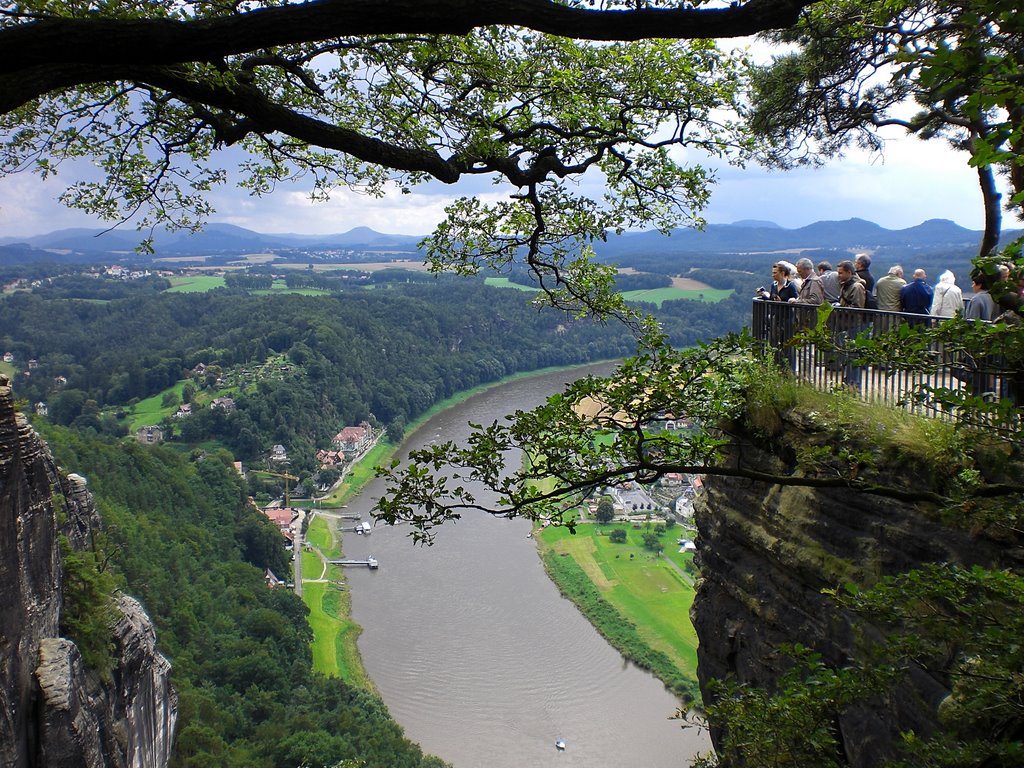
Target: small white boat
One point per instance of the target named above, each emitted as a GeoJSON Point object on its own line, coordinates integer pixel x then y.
{"type": "Point", "coordinates": [560, 745]}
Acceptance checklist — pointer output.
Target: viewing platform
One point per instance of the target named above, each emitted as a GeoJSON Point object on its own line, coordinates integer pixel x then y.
{"type": "Point", "coordinates": [837, 366]}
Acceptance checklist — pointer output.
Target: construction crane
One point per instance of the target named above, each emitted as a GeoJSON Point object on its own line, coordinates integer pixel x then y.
{"type": "Point", "coordinates": [285, 476]}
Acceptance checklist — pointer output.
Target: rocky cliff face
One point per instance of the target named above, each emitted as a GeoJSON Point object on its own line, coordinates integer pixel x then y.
{"type": "Point", "coordinates": [767, 551]}
{"type": "Point", "coordinates": [53, 711]}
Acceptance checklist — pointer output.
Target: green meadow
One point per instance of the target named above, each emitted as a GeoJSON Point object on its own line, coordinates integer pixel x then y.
{"type": "Point", "coordinates": [335, 652]}
{"type": "Point", "coordinates": [152, 410]}
{"type": "Point", "coordinates": [651, 296]}
{"type": "Point", "coordinates": [504, 282]}
{"type": "Point", "coordinates": [634, 597]}
{"type": "Point", "coordinates": [659, 295]}
{"type": "Point", "coordinates": [194, 283]}
{"type": "Point", "coordinates": [280, 287]}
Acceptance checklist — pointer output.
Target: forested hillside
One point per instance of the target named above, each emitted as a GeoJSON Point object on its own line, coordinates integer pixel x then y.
{"type": "Point", "coordinates": [180, 536]}
{"type": "Point", "coordinates": [392, 351]}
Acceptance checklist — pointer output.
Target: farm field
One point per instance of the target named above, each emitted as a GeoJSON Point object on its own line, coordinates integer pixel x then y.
{"type": "Point", "coordinates": [195, 283]}
{"type": "Point", "coordinates": [659, 295]}
{"type": "Point", "coordinates": [656, 296]}
{"type": "Point", "coordinates": [504, 282]}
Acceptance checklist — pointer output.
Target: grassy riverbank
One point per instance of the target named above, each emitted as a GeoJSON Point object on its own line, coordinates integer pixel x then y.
{"type": "Point", "coordinates": [638, 600]}
{"type": "Point", "coordinates": [334, 647]}
{"type": "Point", "coordinates": [335, 652]}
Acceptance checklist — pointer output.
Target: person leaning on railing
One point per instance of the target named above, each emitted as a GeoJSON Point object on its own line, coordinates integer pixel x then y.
{"type": "Point", "coordinates": [778, 322]}
{"type": "Point", "coordinates": [947, 298]}
{"type": "Point", "coordinates": [981, 307]}
{"type": "Point", "coordinates": [887, 289]}
{"type": "Point", "coordinates": [812, 291]}
{"type": "Point", "coordinates": [852, 294]}
{"type": "Point", "coordinates": [810, 294]}
{"type": "Point", "coordinates": [916, 297]}
{"type": "Point", "coordinates": [852, 290]}
{"type": "Point", "coordinates": [829, 281]}
{"type": "Point", "coordinates": [782, 288]}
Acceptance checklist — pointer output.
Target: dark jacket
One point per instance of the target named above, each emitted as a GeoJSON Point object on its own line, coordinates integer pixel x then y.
{"type": "Point", "coordinates": [852, 293]}
{"type": "Point", "coordinates": [869, 288]}
{"type": "Point", "coordinates": [916, 297]}
{"type": "Point", "coordinates": [785, 293]}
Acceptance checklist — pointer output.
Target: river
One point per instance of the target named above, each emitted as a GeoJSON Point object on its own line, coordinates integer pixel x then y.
{"type": "Point", "coordinates": [476, 653]}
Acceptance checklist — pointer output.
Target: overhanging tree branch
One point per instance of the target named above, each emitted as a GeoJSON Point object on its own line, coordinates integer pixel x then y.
{"type": "Point", "coordinates": [166, 41]}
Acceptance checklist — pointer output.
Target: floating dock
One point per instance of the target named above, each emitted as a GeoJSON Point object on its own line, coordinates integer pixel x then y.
{"type": "Point", "coordinates": [370, 562]}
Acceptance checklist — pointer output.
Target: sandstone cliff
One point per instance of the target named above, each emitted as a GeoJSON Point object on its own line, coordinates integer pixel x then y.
{"type": "Point", "coordinates": [767, 551]}
{"type": "Point", "coordinates": [53, 711]}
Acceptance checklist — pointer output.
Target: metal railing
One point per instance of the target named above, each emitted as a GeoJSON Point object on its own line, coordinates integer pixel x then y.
{"type": "Point", "coordinates": [836, 366]}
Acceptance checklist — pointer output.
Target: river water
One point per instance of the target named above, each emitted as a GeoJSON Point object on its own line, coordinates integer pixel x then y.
{"type": "Point", "coordinates": [476, 653]}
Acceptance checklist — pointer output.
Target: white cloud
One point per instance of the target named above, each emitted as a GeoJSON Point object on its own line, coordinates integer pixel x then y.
{"type": "Point", "coordinates": [28, 206]}
{"type": "Point", "coordinates": [912, 182]}
{"type": "Point", "coordinates": [416, 213]}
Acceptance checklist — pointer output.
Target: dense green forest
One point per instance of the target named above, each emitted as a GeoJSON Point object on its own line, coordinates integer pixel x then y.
{"type": "Point", "coordinates": [182, 538]}
{"type": "Point", "coordinates": [384, 354]}
{"type": "Point", "coordinates": [391, 351]}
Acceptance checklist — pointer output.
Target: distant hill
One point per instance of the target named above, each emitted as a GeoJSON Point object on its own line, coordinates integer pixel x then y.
{"type": "Point", "coordinates": [742, 237]}
{"type": "Point", "coordinates": [756, 224]}
{"type": "Point", "coordinates": [753, 236]}
{"type": "Point", "coordinates": [214, 239]}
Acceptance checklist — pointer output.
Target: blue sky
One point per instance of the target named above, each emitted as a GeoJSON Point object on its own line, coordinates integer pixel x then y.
{"type": "Point", "coordinates": [913, 181]}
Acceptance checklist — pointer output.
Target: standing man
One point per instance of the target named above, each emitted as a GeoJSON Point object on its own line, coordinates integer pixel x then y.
{"type": "Point", "coordinates": [916, 297]}
{"type": "Point", "coordinates": [811, 294]}
{"type": "Point", "coordinates": [981, 306]}
{"type": "Point", "coordinates": [862, 262]}
{"type": "Point", "coordinates": [852, 291]}
{"type": "Point", "coordinates": [811, 289]}
{"type": "Point", "coordinates": [849, 324]}
{"type": "Point", "coordinates": [829, 281]}
{"type": "Point", "coordinates": [887, 289]}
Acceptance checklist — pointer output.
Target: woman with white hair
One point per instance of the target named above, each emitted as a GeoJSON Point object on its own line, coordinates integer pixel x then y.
{"type": "Point", "coordinates": [948, 298]}
{"type": "Point", "coordinates": [792, 274]}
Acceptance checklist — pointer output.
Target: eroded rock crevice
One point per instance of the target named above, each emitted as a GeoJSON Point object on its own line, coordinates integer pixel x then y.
{"type": "Point", "coordinates": [54, 711]}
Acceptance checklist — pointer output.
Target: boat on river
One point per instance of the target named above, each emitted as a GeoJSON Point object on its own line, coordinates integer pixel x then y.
{"type": "Point", "coordinates": [560, 745]}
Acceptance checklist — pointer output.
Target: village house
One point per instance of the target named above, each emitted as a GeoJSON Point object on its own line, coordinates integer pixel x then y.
{"type": "Point", "coordinates": [184, 410]}
{"type": "Point", "coordinates": [353, 439]}
{"type": "Point", "coordinates": [328, 458]}
{"type": "Point", "coordinates": [226, 404]}
{"type": "Point", "coordinates": [278, 454]}
{"type": "Point", "coordinates": [281, 517]}
{"type": "Point", "coordinates": [149, 435]}
{"type": "Point", "coordinates": [8, 357]}
{"type": "Point", "coordinates": [42, 409]}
